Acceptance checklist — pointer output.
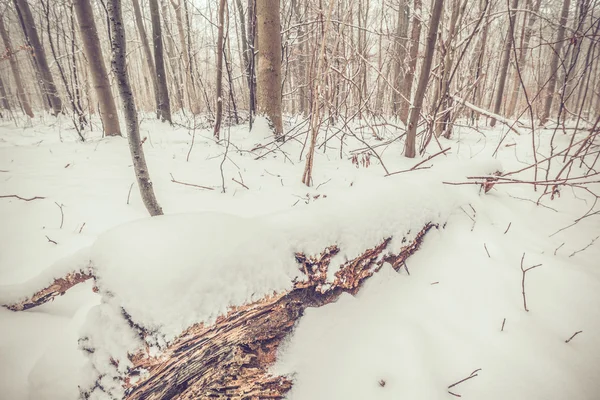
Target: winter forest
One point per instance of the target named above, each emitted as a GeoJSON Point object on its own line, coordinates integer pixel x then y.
{"type": "Point", "coordinates": [299, 199]}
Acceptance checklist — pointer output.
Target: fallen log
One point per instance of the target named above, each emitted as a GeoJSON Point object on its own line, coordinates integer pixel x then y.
{"type": "Point", "coordinates": [230, 359]}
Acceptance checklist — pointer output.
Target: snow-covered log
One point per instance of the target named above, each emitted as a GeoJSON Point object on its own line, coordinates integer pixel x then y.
{"type": "Point", "coordinates": [510, 123]}
{"type": "Point", "coordinates": [230, 359]}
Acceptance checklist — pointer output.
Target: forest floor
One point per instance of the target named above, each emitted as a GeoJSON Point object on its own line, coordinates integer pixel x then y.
{"type": "Point", "coordinates": [459, 313]}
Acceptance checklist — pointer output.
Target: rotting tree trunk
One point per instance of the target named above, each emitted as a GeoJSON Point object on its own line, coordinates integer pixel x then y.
{"type": "Point", "coordinates": [93, 53]}
{"type": "Point", "coordinates": [505, 63]}
{"type": "Point", "coordinates": [556, 55]}
{"type": "Point", "coordinates": [269, 63]}
{"type": "Point", "coordinates": [231, 358]}
{"type": "Point", "coordinates": [139, 22]}
{"type": "Point", "coordinates": [14, 66]}
{"type": "Point", "coordinates": [415, 111]}
{"type": "Point", "coordinates": [164, 105]}
{"type": "Point", "coordinates": [220, 49]}
{"type": "Point", "coordinates": [413, 54]}
{"type": "Point", "coordinates": [119, 66]}
{"type": "Point", "coordinates": [41, 61]}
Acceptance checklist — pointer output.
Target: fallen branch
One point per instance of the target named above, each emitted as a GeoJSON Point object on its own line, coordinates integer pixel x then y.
{"type": "Point", "coordinates": [21, 198]}
{"type": "Point", "coordinates": [57, 288]}
{"type": "Point", "coordinates": [50, 240]}
{"type": "Point", "coordinates": [416, 166]}
{"type": "Point", "coordinates": [62, 214]}
{"type": "Point", "coordinates": [572, 336]}
{"type": "Point", "coordinates": [473, 375]}
{"type": "Point", "coordinates": [190, 184]}
{"type": "Point", "coordinates": [240, 183]}
{"type": "Point", "coordinates": [524, 271]}
{"type": "Point", "coordinates": [510, 123]}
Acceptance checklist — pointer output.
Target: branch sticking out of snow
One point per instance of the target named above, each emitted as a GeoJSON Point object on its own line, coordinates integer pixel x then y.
{"type": "Point", "coordinates": [508, 122]}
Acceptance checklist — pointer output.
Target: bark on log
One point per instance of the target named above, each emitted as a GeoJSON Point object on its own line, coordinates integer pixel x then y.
{"type": "Point", "coordinates": [58, 288]}
{"type": "Point", "coordinates": [230, 359]}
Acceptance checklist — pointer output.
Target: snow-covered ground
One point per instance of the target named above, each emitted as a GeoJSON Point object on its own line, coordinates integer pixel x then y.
{"type": "Point", "coordinates": [403, 336]}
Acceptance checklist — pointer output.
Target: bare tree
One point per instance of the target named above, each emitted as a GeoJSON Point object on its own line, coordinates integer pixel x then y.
{"type": "Point", "coordinates": [400, 51]}
{"type": "Point", "coordinates": [411, 132]}
{"type": "Point", "coordinates": [14, 66]}
{"type": "Point", "coordinates": [269, 63]}
{"type": "Point", "coordinates": [119, 67]}
{"type": "Point", "coordinates": [505, 61]}
{"type": "Point", "coordinates": [164, 105]}
{"type": "Point", "coordinates": [219, 114]}
{"type": "Point", "coordinates": [139, 22]}
{"type": "Point", "coordinates": [93, 53]}
{"type": "Point", "coordinates": [41, 62]}
{"type": "Point", "coordinates": [413, 54]}
{"type": "Point", "coordinates": [558, 45]}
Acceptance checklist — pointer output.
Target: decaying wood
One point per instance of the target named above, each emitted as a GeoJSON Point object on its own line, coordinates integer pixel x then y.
{"type": "Point", "coordinates": [230, 358]}
{"type": "Point", "coordinates": [58, 288]}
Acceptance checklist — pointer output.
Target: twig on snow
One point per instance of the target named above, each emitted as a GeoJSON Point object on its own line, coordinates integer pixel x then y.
{"type": "Point", "coordinates": [62, 215]}
{"type": "Point", "coordinates": [486, 250]}
{"type": "Point", "coordinates": [589, 244]}
{"type": "Point", "coordinates": [503, 322]}
{"type": "Point", "coordinates": [240, 183]}
{"type": "Point", "coordinates": [189, 184]}
{"type": "Point", "coordinates": [473, 375]}
{"type": "Point", "coordinates": [508, 227]}
{"type": "Point", "coordinates": [80, 229]}
{"type": "Point", "coordinates": [129, 194]}
{"type": "Point", "coordinates": [524, 270]}
{"type": "Point", "coordinates": [50, 240]}
{"type": "Point", "coordinates": [559, 248]}
{"type": "Point", "coordinates": [416, 166]}
{"type": "Point", "coordinates": [21, 198]}
{"type": "Point", "coordinates": [572, 336]}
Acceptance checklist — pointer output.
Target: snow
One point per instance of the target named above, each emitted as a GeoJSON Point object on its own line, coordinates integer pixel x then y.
{"type": "Point", "coordinates": [418, 334]}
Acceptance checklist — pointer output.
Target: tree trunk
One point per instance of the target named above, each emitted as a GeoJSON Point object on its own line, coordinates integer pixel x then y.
{"type": "Point", "coordinates": [4, 96]}
{"type": "Point", "coordinates": [269, 63]}
{"type": "Point", "coordinates": [189, 80]}
{"type": "Point", "coordinates": [164, 105]}
{"type": "Point", "coordinates": [220, 50]}
{"type": "Point", "coordinates": [119, 67]}
{"type": "Point", "coordinates": [505, 62]}
{"type": "Point", "coordinates": [93, 53]}
{"type": "Point", "coordinates": [413, 54]}
{"type": "Point", "coordinates": [40, 55]}
{"type": "Point", "coordinates": [14, 66]}
{"type": "Point", "coordinates": [556, 54]}
{"type": "Point", "coordinates": [522, 57]}
{"type": "Point", "coordinates": [411, 132]}
{"type": "Point", "coordinates": [139, 22]}
{"type": "Point", "coordinates": [400, 53]}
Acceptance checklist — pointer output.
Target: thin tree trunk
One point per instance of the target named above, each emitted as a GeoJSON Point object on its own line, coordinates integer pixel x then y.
{"type": "Point", "coordinates": [4, 96]}
{"type": "Point", "coordinates": [413, 54]}
{"type": "Point", "coordinates": [40, 55]}
{"type": "Point", "coordinates": [93, 53]}
{"type": "Point", "coordinates": [522, 57]}
{"type": "Point", "coordinates": [189, 81]}
{"type": "Point", "coordinates": [269, 63]}
{"type": "Point", "coordinates": [558, 45]}
{"type": "Point", "coordinates": [119, 67]}
{"type": "Point", "coordinates": [139, 22]}
{"type": "Point", "coordinates": [400, 52]}
{"type": "Point", "coordinates": [219, 115]}
{"type": "Point", "coordinates": [411, 132]}
{"type": "Point", "coordinates": [505, 63]}
{"type": "Point", "coordinates": [164, 105]}
{"type": "Point", "coordinates": [14, 66]}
